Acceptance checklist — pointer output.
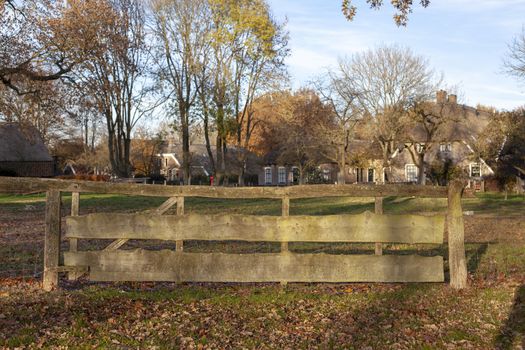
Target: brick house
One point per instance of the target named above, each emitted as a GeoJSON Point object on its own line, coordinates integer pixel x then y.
{"type": "Point", "coordinates": [23, 152]}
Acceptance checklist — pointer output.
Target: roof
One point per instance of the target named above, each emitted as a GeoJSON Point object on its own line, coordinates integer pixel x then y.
{"type": "Point", "coordinates": [368, 148]}
{"type": "Point", "coordinates": [199, 157]}
{"type": "Point", "coordinates": [22, 144]}
{"type": "Point", "coordinates": [465, 125]}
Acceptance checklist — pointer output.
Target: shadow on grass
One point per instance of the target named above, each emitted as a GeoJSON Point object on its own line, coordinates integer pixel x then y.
{"type": "Point", "coordinates": [514, 327]}
{"type": "Point", "coordinates": [474, 257]}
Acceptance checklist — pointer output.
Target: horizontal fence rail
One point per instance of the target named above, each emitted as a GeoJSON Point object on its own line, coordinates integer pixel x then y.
{"type": "Point", "coordinates": [167, 265]}
{"type": "Point", "coordinates": [28, 185]}
{"type": "Point", "coordinates": [361, 228]}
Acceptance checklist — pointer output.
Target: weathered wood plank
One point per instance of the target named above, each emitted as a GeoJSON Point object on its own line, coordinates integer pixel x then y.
{"type": "Point", "coordinates": [179, 244]}
{"type": "Point", "coordinates": [73, 242]}
{"type": "Point", "coordinates": [166, 265]}
{"type": "Point", "coordinates": [378, 209]}
{"type": "Point", "coordinates": [456, 237]}
{"type": "Point", "coordinates": [31, 185]}
{"type": "Point", "coordinates": [52, 240]}
{"type": "Point", "coordinates": [164, 207]}
{"type": "Point", "coordinates": [365, 227]}
{"type": "Point", "coordinates": [285, 213]}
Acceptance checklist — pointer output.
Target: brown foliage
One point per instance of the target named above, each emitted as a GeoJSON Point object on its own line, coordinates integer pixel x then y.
{"type": "Point", "coordinates": [49, 39]}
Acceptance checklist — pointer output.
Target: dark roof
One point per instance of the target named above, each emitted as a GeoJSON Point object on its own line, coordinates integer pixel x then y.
{"type": "Point", "coordinates": [199, 157]}
{"type": "Point", "coordinates": [22, 144]}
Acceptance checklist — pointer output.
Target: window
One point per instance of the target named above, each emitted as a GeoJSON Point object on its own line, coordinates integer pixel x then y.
{"type": "Point", "coordinates": [445, 147]}
{"type": "Point", "coordinates": [475, 170]}
{"type": "Point", "coordinates": [282, 175]}
{"type": "Point", "coordinates": [370, 175]}
{"type": "Point", "coordinates": [359, 173]}
{"type": "Point", "coordinates": [295, 175]}
{"type": "Point", "coordinates": [419, 147]}
{"type": "Point", "coordinates": [268, 175]}
{"type": "Point", "coordinates": [411, 172]}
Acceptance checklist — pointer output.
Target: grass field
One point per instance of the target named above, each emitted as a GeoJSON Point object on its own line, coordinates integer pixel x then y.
{"type": "Point", "coordinates": [490, 314]}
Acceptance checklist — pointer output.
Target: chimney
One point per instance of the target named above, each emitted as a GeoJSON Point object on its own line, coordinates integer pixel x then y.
{"type": "Point", "coordinates": [441, 96]}
{"type": "Point", "coordinates": [453, 99]}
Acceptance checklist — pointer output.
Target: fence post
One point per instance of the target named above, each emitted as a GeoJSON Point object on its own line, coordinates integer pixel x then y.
{"type": "Point", "coordinates": [180, 211]}
{"type": "Point", "coordinates": [52, 240]}
{"type": "Point", "coordinates": [73, 242]}
{"type": "Point", "coordinates": [456, 237]}
{"type": "Point", "coordinates": [378, 207]}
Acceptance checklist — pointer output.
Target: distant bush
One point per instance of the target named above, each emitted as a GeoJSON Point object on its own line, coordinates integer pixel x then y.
{"type": "Point", "coordinates": [441, 173]}
{"type": "Point", "coordinates": [200, 180]}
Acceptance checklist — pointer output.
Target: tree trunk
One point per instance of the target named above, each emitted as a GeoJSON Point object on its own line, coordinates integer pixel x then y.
{"type": "Point", "coordinates": [342, 162]}
{"type": "Point", "coordinates": [242, 168]}
{"type": "Point", "coordinates": [185, 145]}
{"type": "Point", "coordinates": [422, 176]}
{"type": "Point", "coordinates": [208, 144]}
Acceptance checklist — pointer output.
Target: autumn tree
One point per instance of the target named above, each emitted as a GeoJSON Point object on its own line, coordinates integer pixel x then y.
{"type": "Point", "coordinates": [403, 9]}
{"type": "Point", "coordinates": [42, 40]}
{"type": "Point", "coordinates": [259, 67]}
{"type": "Point", "coordinates": [289, 128]}
{"type": "Point", "coordinates": [144, 149]}
{"type": "Point", "coordinates": [387, 81]}
{"type": "Point", "coordinates": [246, 51]}
{"type": "Point", "coordinates": [301, 143]}
{"type": "Point", "coordinates": [116, 77]}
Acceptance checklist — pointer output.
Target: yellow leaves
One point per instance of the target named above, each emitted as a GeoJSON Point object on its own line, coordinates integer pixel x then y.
{"type": "Point", "coordinates": [246, 24]}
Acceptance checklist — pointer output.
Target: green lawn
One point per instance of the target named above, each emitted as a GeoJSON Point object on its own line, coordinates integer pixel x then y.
{"type": "Point", "coordinates": [489, 314]}
{"type": "Point", "coordinates": [486, 203]}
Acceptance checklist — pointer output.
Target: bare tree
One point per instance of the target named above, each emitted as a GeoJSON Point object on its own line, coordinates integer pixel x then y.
{"type": "Point", "coordinates": [427, 126]}
{"type": "Point", "coordinates": [116, 77]}
{"type": "Point", "coordinates": [182, 29]}
{"type": "Point", "coordinates": [387, 81]}
{"type": "Point", "coordinates": [514, 63]}
{"type": "Point", "coordinates": [42, 110]}
{"type": "Point", "coordinates": [345, 112]}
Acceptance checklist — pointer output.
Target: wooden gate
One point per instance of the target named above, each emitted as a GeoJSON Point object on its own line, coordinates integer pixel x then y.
{"type": "Point", "coordinates": [113, 264]}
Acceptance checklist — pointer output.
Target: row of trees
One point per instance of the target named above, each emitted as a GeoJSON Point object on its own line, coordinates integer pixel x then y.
{"type": "Point", "coordinates": [198, 61]}
{"type": "Point", "coordinates": [216, 66]}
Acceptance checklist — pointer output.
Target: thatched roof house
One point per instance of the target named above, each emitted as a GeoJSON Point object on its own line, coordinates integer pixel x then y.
{"type": "Point", "coordinates": [23, 153]}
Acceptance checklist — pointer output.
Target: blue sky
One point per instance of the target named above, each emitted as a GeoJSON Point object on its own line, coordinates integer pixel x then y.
{"type": "Point", "coordinates": [466, 40]}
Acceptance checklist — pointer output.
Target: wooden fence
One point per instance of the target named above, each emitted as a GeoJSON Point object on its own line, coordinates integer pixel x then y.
{"type": "Point", "coordinates": [112, 264]}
